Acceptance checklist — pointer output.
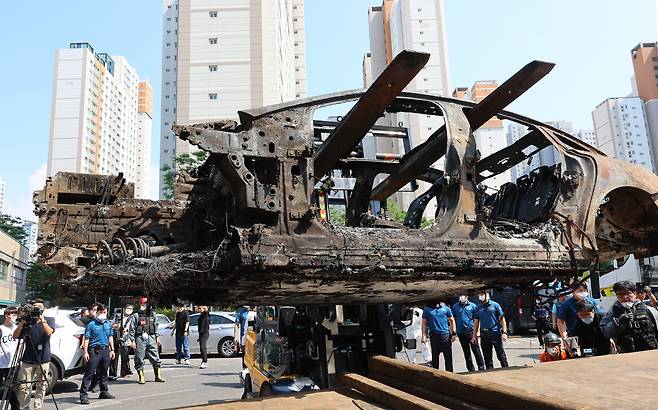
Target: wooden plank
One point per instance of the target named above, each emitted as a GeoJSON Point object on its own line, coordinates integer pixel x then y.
{"type": "Point", "coordinates": [336, 399]}
{"type": "Point", "coordinates": [386, 395]}
{"type": "Point", "coordinates": [620, 381]}
{"type": "Point", "coordinates": [431, 395]}
{"type": "Point", "coordinates": [492, 395]}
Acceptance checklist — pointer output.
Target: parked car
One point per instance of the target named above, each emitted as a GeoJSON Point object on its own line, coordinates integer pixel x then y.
{"type": "Point", "coordinates": [221, 334]}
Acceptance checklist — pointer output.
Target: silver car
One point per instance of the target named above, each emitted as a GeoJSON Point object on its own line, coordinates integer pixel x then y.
{"type": "Point", "coordinates": [221, 334]}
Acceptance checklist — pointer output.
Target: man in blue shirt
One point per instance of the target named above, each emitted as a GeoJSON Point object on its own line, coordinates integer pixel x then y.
{"type": "Point", "coordinates": [98, 351]}
{"type": "Point", "coordinates": [464, 312]}
{"type": "Point", "coordinates": [438, 319]}
{"type": "Point", "coordinates": [490, 323]}
{"type": "Point", "coordinates": [567, 314]}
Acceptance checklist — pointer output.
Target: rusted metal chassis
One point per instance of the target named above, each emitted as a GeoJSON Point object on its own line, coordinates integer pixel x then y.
{"type": "Point", "coordinates": [276, 250]}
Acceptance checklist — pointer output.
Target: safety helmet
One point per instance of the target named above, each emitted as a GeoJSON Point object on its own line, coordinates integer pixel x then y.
{"type": "Point", "coordinates": [143, 300]}
{"type": "Point", "coordinates": [551, 338]}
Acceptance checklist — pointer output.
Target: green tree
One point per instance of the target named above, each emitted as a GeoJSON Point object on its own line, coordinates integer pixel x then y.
{"type": "Point", "coordinates": [44, 282]}
{"type": "Point", "coordinates": [398, 214]}
{"type": "Point", "coordinates": [183, 162]}
{"type": "Point", "coordinates": [13, 227]}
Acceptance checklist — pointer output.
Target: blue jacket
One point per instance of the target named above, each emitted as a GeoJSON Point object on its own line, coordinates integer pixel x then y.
{"type": "Point", "coordinates": [464, 316]}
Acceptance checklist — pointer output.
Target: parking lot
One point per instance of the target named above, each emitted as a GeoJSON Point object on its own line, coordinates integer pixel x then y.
{"type": "Point", "coordinates": [187, 385]}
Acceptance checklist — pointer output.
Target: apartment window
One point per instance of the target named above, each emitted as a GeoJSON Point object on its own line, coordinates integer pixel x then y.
{"type": "Point", "coordinates": [212, 67]}
{"type": "Point", "coordinates": [420, 10]}
{"type": "Point", "coordinates": [4, 267]}
{"type": "Point", "coordinates": [422, 32]}
{"type": "Point", "coordinates": [213, 14]}
{"type": "Point", "coordinates": [213, 40]}
{"type": "Point", "coordinates": [212, 96]}
{"type": "Point", "coordinates": [655, 67]}
{"type": "Point", "coordinates": [168, 18]}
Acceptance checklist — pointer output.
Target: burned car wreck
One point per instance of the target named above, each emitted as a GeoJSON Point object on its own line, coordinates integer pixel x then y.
{"type": "Point", "coordinates": [250, 225]}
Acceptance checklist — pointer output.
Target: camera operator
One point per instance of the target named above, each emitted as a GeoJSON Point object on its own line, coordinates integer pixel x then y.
{"type": "Point", "coordinates": [8, 347]}
{"type": "Point", "coordinates": [630, 322]}
{"type": "Point", "coordinates": [36, 333]}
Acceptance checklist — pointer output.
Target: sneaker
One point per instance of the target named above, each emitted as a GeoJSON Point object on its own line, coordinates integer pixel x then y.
{"type": "Point", "coordinates": [187, 362]}
{"type": "Point", "coordinates": [105, 395]}
{"type": "Point", "coordinates": [177, 361]}
{"type": "Point", "coordinates": [84, 401]}
{"type": "Point", "coordinates": [203, 365]}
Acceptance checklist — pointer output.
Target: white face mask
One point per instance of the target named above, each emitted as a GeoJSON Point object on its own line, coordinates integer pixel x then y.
{"type": "Point", "coordinates": [582, 295]}
{"type": "Point", "coordinates": [142, 307]}
{"type": "Point", "coordinates": [587, 320]}
{"type": "Point", "coordinates": [627, 305]}
{"type": "Point", "coordinates": [482, 297]}
{"type": "Point", "coordinates": [463, 299]}
{"type": "Point", "coordinates": [553, 351]}
{"type": "Point", "coordinates": [102, 316]}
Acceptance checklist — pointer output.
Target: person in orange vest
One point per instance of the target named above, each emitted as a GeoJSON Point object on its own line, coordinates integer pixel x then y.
{"type": "Point", "coordinates": [552, 349]}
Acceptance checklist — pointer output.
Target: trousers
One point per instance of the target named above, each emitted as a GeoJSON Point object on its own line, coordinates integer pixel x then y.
{"type": "Point", "coordinates": [182, 347]}
{"type": "Point", "coordinates": [9, 385]}
{"type": "Point", "coordinates": [28, 373]}
{"type": "Point", "coordinates": [146, 349]}
{"type": "Point", "coordinates": [493, 341]}
{"type": "Point", "coordinates": [99, 363]}
{"type": "Point", "coordinates": [441, 343]}
{"type": "Point", "coordinates": [203, 341]}
{"type": "Point", "coordinates": [467, 347]}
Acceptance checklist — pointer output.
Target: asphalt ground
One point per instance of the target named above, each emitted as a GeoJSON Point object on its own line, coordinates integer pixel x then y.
{"type": "Point", "coordinates": [188, 385]}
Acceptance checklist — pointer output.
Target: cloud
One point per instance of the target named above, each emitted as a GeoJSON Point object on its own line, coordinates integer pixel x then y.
{"type": "Point", "coordinates": [21, 205]}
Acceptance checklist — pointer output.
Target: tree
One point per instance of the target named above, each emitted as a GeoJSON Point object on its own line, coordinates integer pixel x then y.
{"type": "Point", "coordinates": [183, 162]}
{"type": "Point", "coordinates": [13, 227]}
{"type": "Point", "coordinates": [43, 282]}
{"type": "Point", "coordinates": [398, 214]}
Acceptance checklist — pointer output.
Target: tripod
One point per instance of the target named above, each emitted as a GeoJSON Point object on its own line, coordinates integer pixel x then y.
{"type": "Point", "coordinates": [11, 381]}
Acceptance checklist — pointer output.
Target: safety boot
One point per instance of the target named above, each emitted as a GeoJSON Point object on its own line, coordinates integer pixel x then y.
{"type": "Point", "coordinates": [140, 374]}
{"type": "Point", "coordinates": [158, 375]}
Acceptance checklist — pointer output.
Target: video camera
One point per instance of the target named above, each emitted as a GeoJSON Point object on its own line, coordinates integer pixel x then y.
{"type": "Point", "coordinates": [118, 314]}
{"type": "Point", "coordinates": [29, 314]}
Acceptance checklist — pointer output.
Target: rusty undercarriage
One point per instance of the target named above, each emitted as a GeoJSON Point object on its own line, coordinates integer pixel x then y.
{"type": "Point", "coordinates": [249, 225]}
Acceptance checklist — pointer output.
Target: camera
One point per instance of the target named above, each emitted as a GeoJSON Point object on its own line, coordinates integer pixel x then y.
{"type": "Point", "coordinates": [29, 314]}
{"type": "Point", "coordinates": [118, 313]}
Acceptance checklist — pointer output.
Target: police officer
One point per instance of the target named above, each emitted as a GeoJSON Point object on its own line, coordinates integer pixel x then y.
{"type": "Point", "coordinates": [98, 348]}
{"type": "Point", "coordinates": [145, 339]}
{"type": "Point", "coordinates": [490, 323]}
{"type": "Point", "coordinates": [441, 324]}
{"type": "Point", "coordinates": [464, 312]}
{"type": "Point", "coordinates": [631, 323]}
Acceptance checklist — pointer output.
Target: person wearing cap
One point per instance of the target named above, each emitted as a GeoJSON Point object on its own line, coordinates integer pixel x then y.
{"type": "Point", "coordinates": [145, 340]}
{"type": "Point", "coordinates": [552, 349]}
{"type": "Point", "coordinates": [464, 313]}
{"type": "Point", "coordinates": [490, 324]}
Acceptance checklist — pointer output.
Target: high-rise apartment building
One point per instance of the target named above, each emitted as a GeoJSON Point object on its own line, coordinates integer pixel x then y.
{"type": "Point", "coordinates": [587, 136]}
{"type": "Point", "coordinates": [2, 195]}
{"type": "Point", "coordinates": [31, 229]}
{"type": "Point", "coordinates": [491, 136]}
{"type": "Point", "coordinates": [417, 25]}
{"type": "Point", "coordinates": [621, 130]}
{"type": "Point", "coordinates": [645, 68]}
{"type": "Point", "coordinates": [94, 126]}
{"type": "Point", "coordinates": [221, 56]}
{"type": "Point", "coordinates": [144, 132]}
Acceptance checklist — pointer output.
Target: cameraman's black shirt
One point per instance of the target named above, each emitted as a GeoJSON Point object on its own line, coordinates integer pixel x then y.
{"type": "Point", "coordinates": [38, 350]}
{"type": "Point", "coordinates": [182, 318]}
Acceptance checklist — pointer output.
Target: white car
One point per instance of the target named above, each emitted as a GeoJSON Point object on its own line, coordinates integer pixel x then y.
{"type": "Point", "coordinates": [221, 334]}
{"type": "Point", "coordinates": [65, 345]}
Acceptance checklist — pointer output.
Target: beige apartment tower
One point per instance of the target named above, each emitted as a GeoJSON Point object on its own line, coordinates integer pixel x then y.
{"type": "Point", "coordinates": [222, 56]}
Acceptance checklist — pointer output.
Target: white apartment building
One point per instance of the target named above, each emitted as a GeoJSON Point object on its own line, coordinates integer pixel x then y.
{"type": "Point", "coordinates": [587, 136]}
{"type": "Point", "coordinates": [94, 115]}
{"type": "Point", "coordinates": [2, 195]}
{"type": "Point", "coordinates": [31, 230]}
{"type": "Point", "coordinates": [417, 25]}
{"type": "Point", "coordinates": [144, 132]}
{"type": "Point", "coordinates": [221, 56]}
{"type": "Point", "coordinates": [621, 130]}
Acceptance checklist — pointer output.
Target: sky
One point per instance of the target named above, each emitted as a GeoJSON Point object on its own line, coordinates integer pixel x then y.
{"type": "Point", "coordinates": [589, 40]}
